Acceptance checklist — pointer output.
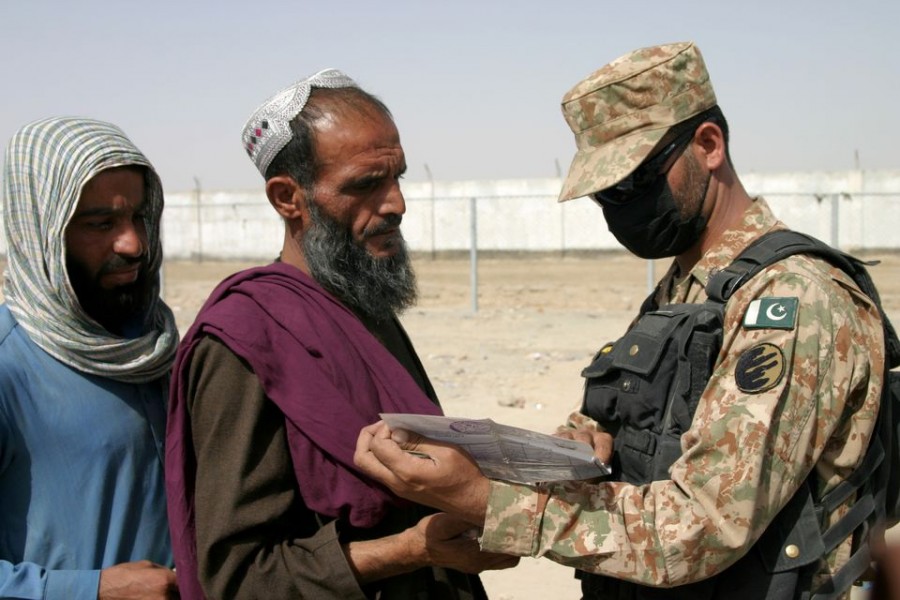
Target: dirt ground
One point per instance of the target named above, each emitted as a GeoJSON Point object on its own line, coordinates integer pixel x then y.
{"type": "Point", "coordinates": [517, 359]}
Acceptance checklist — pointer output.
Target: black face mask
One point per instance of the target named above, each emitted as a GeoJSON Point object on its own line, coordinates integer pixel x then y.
{"type": "Point", "coordinates": [650, 225]}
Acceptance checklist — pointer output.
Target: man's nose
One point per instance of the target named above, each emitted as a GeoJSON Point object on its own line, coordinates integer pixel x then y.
{"type": "Point", "coordinates": [393, 203]}
{"type": "Point", "coordinates": [131, 240]}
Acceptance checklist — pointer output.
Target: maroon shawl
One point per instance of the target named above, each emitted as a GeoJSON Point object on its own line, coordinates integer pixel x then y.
{"type": "Point", "coordinates": [320, 365]}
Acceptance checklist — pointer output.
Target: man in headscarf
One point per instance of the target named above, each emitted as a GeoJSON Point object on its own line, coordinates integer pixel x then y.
{"type": "Point", "coordinates": [283, 365]}
{"type": "Point", "coordinates": [86, 345]}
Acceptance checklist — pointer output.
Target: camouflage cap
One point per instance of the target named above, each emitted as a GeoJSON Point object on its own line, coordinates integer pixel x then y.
{"type": "Point", "coordinates": [620, 112]}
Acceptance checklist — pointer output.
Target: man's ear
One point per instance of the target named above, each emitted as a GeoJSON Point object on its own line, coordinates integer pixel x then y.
{"type": "Point", "coordinates": [711, 140]}
{"type": "Point", "coordinates": [286, 196]}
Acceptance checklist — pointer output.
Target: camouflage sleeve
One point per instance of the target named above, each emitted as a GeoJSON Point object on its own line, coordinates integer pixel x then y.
{"type": "Point", "coordinates": [771, 413]}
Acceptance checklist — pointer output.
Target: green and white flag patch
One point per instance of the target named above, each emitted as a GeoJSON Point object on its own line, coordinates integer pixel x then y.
{"type": "Point", "coordinates": [771, 313]}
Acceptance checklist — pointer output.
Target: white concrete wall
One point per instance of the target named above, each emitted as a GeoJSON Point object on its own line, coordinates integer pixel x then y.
{"type": "Point", "coordinates": [855, 209]}
{"type": "Point", "coordinates": [850, 209]}
{"type": "Point", "coordinates": [229, 225]}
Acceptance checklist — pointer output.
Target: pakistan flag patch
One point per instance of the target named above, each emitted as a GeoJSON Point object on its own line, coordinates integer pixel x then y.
{"type": "Point", "coordinates": [771, 313]}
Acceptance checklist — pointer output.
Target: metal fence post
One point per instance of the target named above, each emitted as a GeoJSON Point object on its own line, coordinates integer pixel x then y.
{"type": "Point", "coordinates": [835, 224]}
{"type": "Point", "coordinates": [562, 230]}
{"type": "Point", "coordinates": [199, 194]}
{"type": "Point", "coordinates": [433, 218]}
{"type": "Point", "coordinates": [473, 252]}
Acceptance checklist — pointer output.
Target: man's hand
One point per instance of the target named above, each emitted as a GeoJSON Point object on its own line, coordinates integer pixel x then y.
{"type": "Point", "coordinates": [448, 479]}
{"type": "Point", "coordinates": [450, 542]}
{"type": "Point", "coordinates": [437, 540]}
{"type": "Point", "coordinates": [600, 441]}
{"type": "Point", "coordinates": [140, 580]}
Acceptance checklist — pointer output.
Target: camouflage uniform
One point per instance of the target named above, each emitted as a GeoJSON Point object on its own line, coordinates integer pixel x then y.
{"type": "Point", "coordinates": [746, 452]}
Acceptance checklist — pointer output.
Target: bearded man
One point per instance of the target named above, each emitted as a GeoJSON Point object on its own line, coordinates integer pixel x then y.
{"type": "Point", "coordinates": [287, 361]}
{"type": "Point", "coordinates": [86, 346]}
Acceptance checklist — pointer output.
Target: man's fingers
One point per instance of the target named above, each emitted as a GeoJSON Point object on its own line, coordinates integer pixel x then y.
{"type": "Point", "coordinates": [603, 446]}
{"type": "Point", "coordinates": [409, 440]}
{"type": "Point", "coordinates": [443, 526]}
{"type": "Point", "coordinates": [584, 437]}
{"type": "Point", "coordinates": [600, 441]}
{"type": "Point", "coordinates": [383, 459]}
{"type": "Point", "coordinates": [375, 427]}
{"type": "Point", "coordinates": [401, 436]}
{"type": "Point", "coordinates": [367, 460]}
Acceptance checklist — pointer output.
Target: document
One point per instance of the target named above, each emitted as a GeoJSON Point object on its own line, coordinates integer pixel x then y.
{"type": "Point", "coordinates": [505, 452]}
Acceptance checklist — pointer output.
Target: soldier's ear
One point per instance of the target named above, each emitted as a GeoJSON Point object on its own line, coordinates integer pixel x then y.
{"type": "Point", "coordinates": [711, 144]}
{"type": "Point", "coordinates": [286, 196]}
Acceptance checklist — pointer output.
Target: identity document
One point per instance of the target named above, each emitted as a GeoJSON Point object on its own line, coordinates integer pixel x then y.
{"type": "Point", "coordinates": [504, 452]}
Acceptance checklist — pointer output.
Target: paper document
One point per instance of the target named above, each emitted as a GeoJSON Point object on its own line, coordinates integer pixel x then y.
{"type": "Point", "coordinates": [504, 452]}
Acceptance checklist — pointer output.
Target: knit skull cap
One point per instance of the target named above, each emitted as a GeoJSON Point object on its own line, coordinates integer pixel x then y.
{"type": "Point", "coordinates": [268, 129]}
{"type": "Point", "coordinates": [620, 112]}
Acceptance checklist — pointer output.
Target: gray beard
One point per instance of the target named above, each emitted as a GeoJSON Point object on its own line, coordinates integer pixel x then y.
{"type": "Point", "coordinates": [378, 288]}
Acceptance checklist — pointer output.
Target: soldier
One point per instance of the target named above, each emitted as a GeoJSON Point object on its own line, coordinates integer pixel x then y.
{"type": "Point", "coordinates": [791, 398]}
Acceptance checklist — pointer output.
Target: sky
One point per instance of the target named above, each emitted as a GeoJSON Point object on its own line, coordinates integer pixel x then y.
{"type": "Point", "coordinates": [474, 85]}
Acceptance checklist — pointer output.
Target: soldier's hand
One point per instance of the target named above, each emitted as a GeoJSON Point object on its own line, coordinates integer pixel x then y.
{"type": "Point", "coordinates": [452, 543]}
{"type": "Point", "coordinates": [139, 580]}
{"type": "Point", "coordinates": [600, 441]}
{"type": "Point", "coordinates": [424, 471]}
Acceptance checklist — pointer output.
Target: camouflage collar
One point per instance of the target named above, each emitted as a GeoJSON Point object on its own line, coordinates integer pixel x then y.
{"type": "Point", "coordinates": [758, 220]}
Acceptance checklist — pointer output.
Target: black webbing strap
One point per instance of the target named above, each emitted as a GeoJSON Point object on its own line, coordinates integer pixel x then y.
{"type": "Point", "coordinates": [778, 245]}
{"type": "Point", "coordinates": [866, 469]}
{"type": "Point", "coordinates": [770, 249]}
{"type": "Point", "coordinates": [840, 582]}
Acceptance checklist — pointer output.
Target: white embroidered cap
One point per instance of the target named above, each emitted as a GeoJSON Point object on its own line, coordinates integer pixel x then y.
{"type": "Point", "coordinates": [268, 129]}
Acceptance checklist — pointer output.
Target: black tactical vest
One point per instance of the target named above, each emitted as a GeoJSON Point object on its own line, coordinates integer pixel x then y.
{"type": "Point", "coordinates": [645, 387]}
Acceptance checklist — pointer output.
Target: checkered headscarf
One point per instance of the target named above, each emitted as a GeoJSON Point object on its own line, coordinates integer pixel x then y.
{"type": "Point", "coordinates": [47, 164]}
